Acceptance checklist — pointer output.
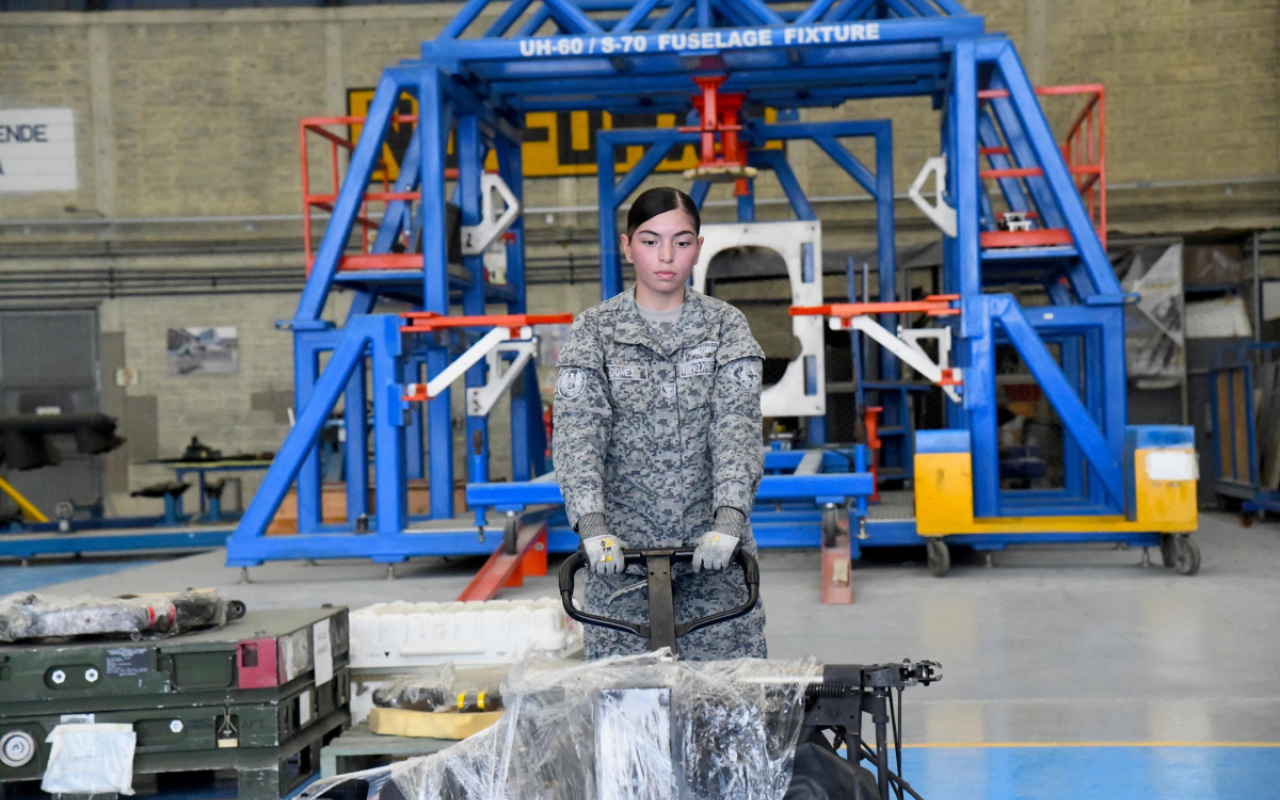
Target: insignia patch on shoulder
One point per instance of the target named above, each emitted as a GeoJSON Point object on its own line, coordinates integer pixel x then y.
{"type": "Point", "coordinates": [627, 372]}
{"type": "Point", "coordinates": [746, 373]}
{"type": "Point", "coordinates": [571, 383]}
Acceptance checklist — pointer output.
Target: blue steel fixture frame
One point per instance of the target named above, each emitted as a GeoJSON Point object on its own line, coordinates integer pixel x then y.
{"type": "Point", "coordinates": [638, 56]}
{"type": "Point", "coordinates": [658, 144]}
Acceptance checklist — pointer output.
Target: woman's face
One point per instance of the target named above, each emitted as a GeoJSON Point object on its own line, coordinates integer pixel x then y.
{"type": "Point", "coordinates": [664, 251]}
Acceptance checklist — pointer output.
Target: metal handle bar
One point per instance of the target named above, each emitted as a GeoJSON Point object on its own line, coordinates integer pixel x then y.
{"type": "Point", "coordinates": [662, 630]}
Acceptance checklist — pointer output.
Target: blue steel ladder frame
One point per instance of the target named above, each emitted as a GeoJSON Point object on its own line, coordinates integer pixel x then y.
{"type": "Point", "coordinates": [1086, 316]}
{"type": "Point", "coordinates": [638, 57]}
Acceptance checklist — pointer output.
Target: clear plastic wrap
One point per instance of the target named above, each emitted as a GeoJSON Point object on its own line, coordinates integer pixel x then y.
{"type": "Point", "coordinates": [631, 728]}
{"type": "Point", "coordinates": [27, 615]}
{"type": "Point", "coordinates": [88, 758]}
{"type": "Point", "coordinates": [445, 688]}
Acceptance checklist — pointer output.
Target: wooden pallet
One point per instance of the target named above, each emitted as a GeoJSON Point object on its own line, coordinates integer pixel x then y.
{"type": "Point", "coordinates": [358, 749]}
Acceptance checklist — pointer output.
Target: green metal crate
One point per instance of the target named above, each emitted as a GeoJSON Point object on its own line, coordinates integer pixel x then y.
{"type": "Point", "coordinates": [260, 658]}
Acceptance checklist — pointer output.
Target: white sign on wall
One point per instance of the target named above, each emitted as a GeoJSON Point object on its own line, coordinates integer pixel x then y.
{"type": "Point", "coordinates": [37, 150]}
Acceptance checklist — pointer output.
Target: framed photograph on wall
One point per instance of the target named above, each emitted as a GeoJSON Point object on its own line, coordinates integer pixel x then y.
{"type": "Point", "coordinates": [203, 351]}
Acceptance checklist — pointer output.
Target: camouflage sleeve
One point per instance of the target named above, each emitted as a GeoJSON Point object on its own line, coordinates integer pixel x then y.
{"type": "Point", "coordinates": [737, 453]}
{"type": "Point", "coordinates": [583, 419]}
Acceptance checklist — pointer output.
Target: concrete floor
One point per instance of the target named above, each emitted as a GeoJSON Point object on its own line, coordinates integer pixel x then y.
{"type": "Point", "coordinates": [1061, 646]}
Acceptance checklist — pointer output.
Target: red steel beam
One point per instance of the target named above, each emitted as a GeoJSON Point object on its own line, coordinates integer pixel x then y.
{"type": "Point", "coordinates": [386, 261]}
{"type": "Point", "coordinates": [1040, 238]}
{"type": "Point", "coordinates": [1011, 172]}
{"type": "Point", "coordinates": [426, 321]}
{"type": "Point", "coordinates": [935, 305]}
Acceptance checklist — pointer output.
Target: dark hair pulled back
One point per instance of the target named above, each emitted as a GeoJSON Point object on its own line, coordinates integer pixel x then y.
{"type": "Point", "coordinates": [660, 200]}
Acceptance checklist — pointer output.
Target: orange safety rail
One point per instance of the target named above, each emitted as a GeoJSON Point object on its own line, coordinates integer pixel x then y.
{"type": "Point", "coordinates": [427, 321]}
{"type": "Point", "coordinates": [1084, 150]}
{"type": "Point", "coordinates": [935, 305]}
{"type": "Point", "coordinates": [320, 126]}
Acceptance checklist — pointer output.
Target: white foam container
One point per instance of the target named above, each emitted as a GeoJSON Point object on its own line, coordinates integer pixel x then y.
{"type": "Point", "coordinates": [402, 634]}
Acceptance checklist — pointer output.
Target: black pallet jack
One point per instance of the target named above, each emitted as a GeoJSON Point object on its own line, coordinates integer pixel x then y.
{"type": "Point", "coordinates": [834, 706]}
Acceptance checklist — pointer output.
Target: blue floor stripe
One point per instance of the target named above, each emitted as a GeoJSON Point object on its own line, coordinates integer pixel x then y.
{"type": "Point", "coordinates": [17, 578]}
{"type": "Point", "coordinates": [1096, 773]}
{"type": "Point", "coordinates": [1004, 773]}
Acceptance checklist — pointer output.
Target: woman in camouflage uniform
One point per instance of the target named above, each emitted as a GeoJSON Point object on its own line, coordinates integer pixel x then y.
{"type": "Point", "coordinates": [657, 438]}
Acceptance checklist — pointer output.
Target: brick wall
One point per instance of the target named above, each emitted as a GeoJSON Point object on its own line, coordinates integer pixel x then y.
{"type": "Point", "coordinates": [195, 113]}
{"type": "Point", "coordinates": [242, 412]}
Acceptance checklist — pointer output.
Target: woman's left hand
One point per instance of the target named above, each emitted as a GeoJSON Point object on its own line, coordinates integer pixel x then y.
{"type": "Point", "coordinates": [714, 551]}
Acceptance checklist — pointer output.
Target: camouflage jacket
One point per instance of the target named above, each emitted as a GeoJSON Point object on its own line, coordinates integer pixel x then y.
{"type": "Point", "coordinates": [657, 437]}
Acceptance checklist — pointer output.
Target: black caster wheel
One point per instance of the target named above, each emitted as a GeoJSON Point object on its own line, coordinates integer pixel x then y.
{"type": "Point", "coordinates": [1186, 555]}
{"type": "Point", "coordinates": [509, 534]}
{"type": "Point", "coordinates": [939, 556]}
{"type": "Point", "coordinates": [1166, 550]}
{"type": "Point", "coordinates": [1247, 519]}
{"type": "Point", "coordinates": [830, 529]}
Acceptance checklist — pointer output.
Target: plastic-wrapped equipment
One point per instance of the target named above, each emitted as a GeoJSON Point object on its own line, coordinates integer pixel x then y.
{"type": "Point", "coordinates": [642, 727]}
{"type": "Point", "coordinates": [445, 689]}
{"type": "Point", "coordinates": [26, 615]}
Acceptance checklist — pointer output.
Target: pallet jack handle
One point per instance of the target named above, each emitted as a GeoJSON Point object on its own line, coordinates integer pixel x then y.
{"type": "Point", "coordinates": [662, 630]}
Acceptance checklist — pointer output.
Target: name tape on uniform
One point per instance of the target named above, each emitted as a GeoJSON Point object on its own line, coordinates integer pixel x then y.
{"type": "Point", "coordinates": [628, 372]}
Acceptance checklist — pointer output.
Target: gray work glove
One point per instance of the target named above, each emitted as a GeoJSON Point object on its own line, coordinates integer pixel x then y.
{"type": "Point", "coordinates": [604, 550]}
{"type": "Point", "coordinates": [715, 548]}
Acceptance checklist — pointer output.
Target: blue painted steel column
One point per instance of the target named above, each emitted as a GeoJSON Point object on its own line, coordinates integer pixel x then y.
{"type": "Point", "coordinates": [980, 396]}
{"type": "Point", "coordinates": [528, 436]}
{"type": "Point", "coordinates": [357, 448]}
{"type": "Point", "coordinates": [390, 411]}
{"type": "Point", "coordinates": [964, 157]}
{"type": "Point", "coordinates": [980, 403]}
{"type": "Point", "coordinates": [777, 161]}
{"type": "Point", "coordinates": [747, 203]}
{"type": "Point", "coordinates": [471, 153]}
{"type": "Point", "coordinates": [897, 450]}
{"type": "Point", "coordinates": [698, 192]}
{"type": "Point", "coordinates": [1095, 400]}
{"type": "Point", "coordinates": [414, 453]}
{"type": "Point", "coordinates": [1072, 462]}
{"type": "Point", "coordinates": [305, 368]}
{"type": "Point", "coordinates": [610, 257]}
{"type": "Point", "coordinates": [355, 419]}
{"type": "Point", "coordinates": [957, 416]}
{"type": "Point", "coordinates": [1115, 393]}
{"type": "Point", "coordinates": [432, 139]}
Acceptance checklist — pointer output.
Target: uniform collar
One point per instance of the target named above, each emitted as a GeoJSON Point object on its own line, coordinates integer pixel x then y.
{"type": "Point", "coordinates": [630, 328]}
